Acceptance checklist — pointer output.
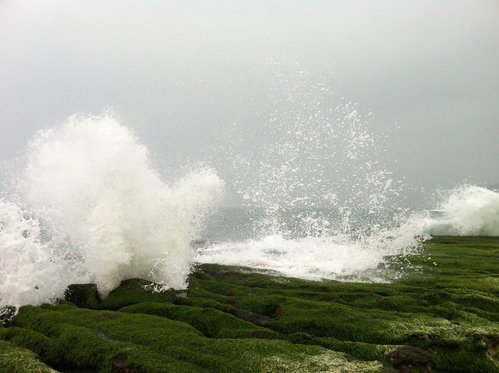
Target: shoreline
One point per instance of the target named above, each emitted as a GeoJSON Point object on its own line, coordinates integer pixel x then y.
{"type": "Point", "coordinates": [442, 315]}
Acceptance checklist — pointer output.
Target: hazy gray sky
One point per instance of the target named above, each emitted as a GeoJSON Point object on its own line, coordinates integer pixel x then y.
{"type": "Point", "coordinates": [182, 72]}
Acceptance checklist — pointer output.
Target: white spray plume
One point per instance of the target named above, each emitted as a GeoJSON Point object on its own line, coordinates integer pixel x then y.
{"type": "Point", "coordinates": [93, 209]}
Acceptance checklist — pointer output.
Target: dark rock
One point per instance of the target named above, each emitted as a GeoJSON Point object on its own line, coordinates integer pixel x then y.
{"type": "Point", "coordinates": [6, 315]}
{"type": "Point", "coordinates": [119, 365]}
{"type": "Point", "coordinates": [82, 295]}
{"type": "Point", "coordinates": [409, 359]}
{"type": "Point", "coordinates": [253, 317]}
{"type": "Point", "coordinates": [389, 369]}
{"type": "Point", "coordinates": [490, 342]}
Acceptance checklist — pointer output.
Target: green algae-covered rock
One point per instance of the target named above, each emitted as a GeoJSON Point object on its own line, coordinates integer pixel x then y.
{"type": "Point", "coordinates": [15, 359]}
{"type": "Point", "coordinates": [442, 314]}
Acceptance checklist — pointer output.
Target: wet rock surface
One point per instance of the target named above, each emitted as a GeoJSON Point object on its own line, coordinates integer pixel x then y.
{"type": "Point", "coordinates": [6, 315]}
{"type": "Point", "coordinates": [82, 295]}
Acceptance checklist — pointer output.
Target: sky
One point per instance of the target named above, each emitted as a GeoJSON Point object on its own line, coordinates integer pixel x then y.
{"type": "Point", "coordinates": [188, 75]}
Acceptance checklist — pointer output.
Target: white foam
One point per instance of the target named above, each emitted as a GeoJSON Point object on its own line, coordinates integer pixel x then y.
{"type": "Point", "coordinates": [27, 273]}
{"type": "Point", "coordinates": [310, 258]}
{"type": "Point", "coordinates": [467, 211]}
{"type": "Point", "coordinates": [104, 214]}
{"type": "Point", "coordinates": [336, 257]}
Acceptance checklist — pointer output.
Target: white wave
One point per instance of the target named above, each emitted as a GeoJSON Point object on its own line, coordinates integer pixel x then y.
{"type": "Point", "coordinates": [315, 257]}
{"type": "Point", "coordinates": [86, 206]}
{"type": "Point", "coordinates": [102, 214]}
{"type": "Point", "coordinates": [27, 272]}
{"type": "Point", "coordinates": [311, 258]}
{"type": "Point", "coordinates": [467, 211]}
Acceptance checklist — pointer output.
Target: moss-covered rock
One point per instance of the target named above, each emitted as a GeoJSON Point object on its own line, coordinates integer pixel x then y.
{"type": "Point", "coordinates": [15, 359]}
{"type": "Point", "coordinates": [441, 315]}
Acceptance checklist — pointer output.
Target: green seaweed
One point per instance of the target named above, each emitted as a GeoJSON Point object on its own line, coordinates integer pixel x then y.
{"type": "Point", "coordinates": [442, 313]}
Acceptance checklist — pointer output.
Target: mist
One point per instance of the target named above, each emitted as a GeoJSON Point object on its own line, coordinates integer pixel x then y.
{"type": "Point", "coordinates": [196, 80]}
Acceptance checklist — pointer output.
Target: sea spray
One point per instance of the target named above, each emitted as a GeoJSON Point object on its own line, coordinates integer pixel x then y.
{"type": "Point", "coordinates": [316, 152]}
{"type": "Point", "coordinates": [319, 179]}
{"type": "Point", "coordinates": [85, 205]}
{"type": "Point", "coordinates": [88, 207]}
{"type": "Point", "coordinates": [29, 272]}
{"type": "Point", "coordinates": [325, 203]}
{"type": "Point", "coordinates": [468, 210]}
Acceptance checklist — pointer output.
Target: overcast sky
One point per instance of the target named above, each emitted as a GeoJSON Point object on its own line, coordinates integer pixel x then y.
{"type": "Point", "coordinates": [182, 72]}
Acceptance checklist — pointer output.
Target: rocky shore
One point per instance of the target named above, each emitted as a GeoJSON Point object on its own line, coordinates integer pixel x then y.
{"type": "Point", "coordinates": [441, 315]}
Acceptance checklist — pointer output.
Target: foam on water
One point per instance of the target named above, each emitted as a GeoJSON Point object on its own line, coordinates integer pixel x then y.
{"type": "Point", "coordinates": [90, 208]}
{"type": "Point", "coordinates": [312, 258]}
{"type": "Point", "coordinates": [464, 211]}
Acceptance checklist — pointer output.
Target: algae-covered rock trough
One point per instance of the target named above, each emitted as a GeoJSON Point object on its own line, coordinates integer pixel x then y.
{"type": "Point", "coordinates": [442, 315]}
